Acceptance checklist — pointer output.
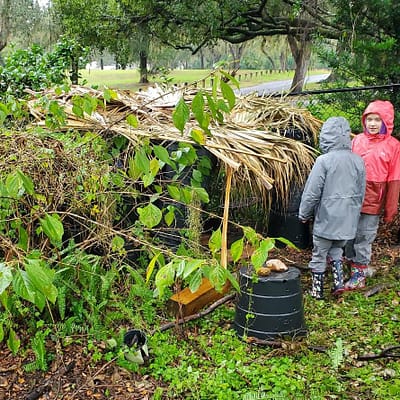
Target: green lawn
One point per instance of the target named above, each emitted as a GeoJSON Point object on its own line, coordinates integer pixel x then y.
{"type": "Point", "coordinates": [128, 79]}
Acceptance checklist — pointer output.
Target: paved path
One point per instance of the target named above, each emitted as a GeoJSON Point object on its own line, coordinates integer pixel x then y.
{"type": "Point", "coordinates": [278, 86]}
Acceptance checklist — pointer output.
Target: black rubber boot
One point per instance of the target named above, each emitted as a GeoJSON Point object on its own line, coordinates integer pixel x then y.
{"type": "Point", "coordinates": [317, 286]}
{"type": "Point", "coordinates": [337, 271]}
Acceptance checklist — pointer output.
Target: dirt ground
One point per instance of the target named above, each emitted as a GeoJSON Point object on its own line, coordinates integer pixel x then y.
{"type": "Point", "coordinates": [73, 374]}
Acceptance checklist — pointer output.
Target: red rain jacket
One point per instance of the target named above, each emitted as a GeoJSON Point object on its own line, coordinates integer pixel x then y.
{"type": "Point", "coordinates": [381, 155]}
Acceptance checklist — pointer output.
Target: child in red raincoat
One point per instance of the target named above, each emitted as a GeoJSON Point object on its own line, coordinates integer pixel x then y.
{"type": "Point", "coordinates": [381, 154]}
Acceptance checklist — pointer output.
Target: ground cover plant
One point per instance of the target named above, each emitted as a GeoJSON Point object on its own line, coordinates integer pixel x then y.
{"type": "Point", "coordinates": [71, 286]}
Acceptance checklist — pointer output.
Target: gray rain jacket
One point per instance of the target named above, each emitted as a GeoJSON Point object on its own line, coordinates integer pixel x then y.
{"type": "Point", "coordinates": [335, 188]}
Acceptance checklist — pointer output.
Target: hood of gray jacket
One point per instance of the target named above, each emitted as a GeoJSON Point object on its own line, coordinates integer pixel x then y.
{"type": "Point", "coordinates": [335, 135]}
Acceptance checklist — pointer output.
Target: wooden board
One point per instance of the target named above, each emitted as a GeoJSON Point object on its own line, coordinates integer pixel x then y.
{"type": "Point", "coordinates": [186, 303]}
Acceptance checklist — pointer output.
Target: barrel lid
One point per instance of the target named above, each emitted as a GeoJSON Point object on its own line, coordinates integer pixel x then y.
{"type": "Point", "coordinates": [290, 274]}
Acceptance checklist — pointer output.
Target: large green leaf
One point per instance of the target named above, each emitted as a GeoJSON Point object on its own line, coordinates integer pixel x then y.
{"type": "Point", "coordinates": [195, 281]}
{"type": "Point", "coordinates": [174, 192]}
{"type": "Point", "coordinates": [260, 255]}
{"type": "Point", "coordinates": [150, 215]}
{"type": "Point", "coordinates": [27, 182]}
{"type": "Point", "coordinates": [181, 114]}
{"type": "Point", "coordinates": [162, 154]}
{"type": "Point", "coordinates": [13, 342]}
{"type": "Point", "coordinates": [215, 241]}
{"type": "Point", "coordinates": [142, 162]}
{"type": "Point", "coordinates": [191, 266]}
{"type": "Point", "coordinates": [6, 277]}
{"type": "Point", "coordinates": [52, 228]}
{"type": "Point", "coordinates": [42, 279]}
{"type": "Point", "coordinates": [218, 277]}
{"type": "Point", "coordinates": [228, 94]}
{"type": "Point", "coordinates": [164, 278]}
{"type": "Point", "coordinates": [24, 288]}
{"type": "Point", "coordinates": [237, 249]}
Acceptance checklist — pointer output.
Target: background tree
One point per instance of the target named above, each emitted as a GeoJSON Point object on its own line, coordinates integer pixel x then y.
{"type": "Point", "coordinates": [4, 22]}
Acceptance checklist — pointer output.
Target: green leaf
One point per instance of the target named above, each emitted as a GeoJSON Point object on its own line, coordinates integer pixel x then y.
{"type": "Point", "coordinates": [198, 136]}
{"type": "Point", "coordinates": [6, 277]}
{"type": "Point", "coordinates": [3, 112]}
{"type": "Point", "coordinates": [164, 278]}
{"type": "Point", "coordinates": [148, 179]}
{"type": "Point", "coordinates": [42, 279]}
{"type": "Point", "coordinates": [186, 195]}
{"type": "Point", "coordinates": [251, 235]}
{"type": "Point", "coordinates": [202, 194]}
{"type": "Point", "coordinates": [180, 115]}
{"type": "Point", "coordinates": [110, 94]}
{"type": "Point", "coordinates": [169, 216]}
{"type": "Point", "coordinates": [23, 239]}
{"type": "Point", "coordinates": [27, 182]}
{"type": "Point", "coordinates": [195, 281]}
{"type": "Point", "coordinates": [191, 266]}
{"type": "Point", "coordinates": [287, 242]}
{"type": "Point", "coordinates": [198, 107]}
{"type": "Point", "coordinates": [162, 154]}
{"type": "Point", "coordinates": [218, 277]}
{"type": "Point", "coordinates": [117, 243]}
{"type": "Point", "coordinates": [132, 120]}
{"type": "Point", "coordinates": [215, 241]}
{"type": "Point", "coordinates": [24, 288]}
{"type": "Point", "coordinates": [233, 280]}
{"type": "Point", "coordinates": [13, 342]}
{"type": "Point", "coordinates": [53, 229]}
{"type": "Point", "coordinates": [151, 266]}
{"type": "Point", "coordinates": [228, 94]}
{"type": "Point", "coordinates": [237, 249]}
{"type": "Point", "coordinates": [14, 185]}
{"type": "Point", "coordinates": [260, 255]}
{"type": "Point", "coordinates": [223, 106]}
{"type": "Point", "coordinates": [174, 192]}
{"type": "Point", "coordinates": [142, 161]}
{"type": "Point", "coordinates": [180, 268]}
{"type": "Point", "coordinates": [230, 78]}
{"type": "Point", "coordinates": [77, 110]}
{"type": "Point", "coordinates": [150, 215]}
{"type": "Point", "coordinates": [1, 332]}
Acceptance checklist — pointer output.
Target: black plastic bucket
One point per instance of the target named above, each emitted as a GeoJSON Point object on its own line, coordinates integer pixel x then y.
{"type": "Point", "coordinates": [291, 228]}
{"type": "Point", "coordinates": [271, 306]}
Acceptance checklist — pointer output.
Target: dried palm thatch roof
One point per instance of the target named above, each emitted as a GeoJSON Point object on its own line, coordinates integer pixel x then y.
{"type": "Point", "coordinates": [249, 141]}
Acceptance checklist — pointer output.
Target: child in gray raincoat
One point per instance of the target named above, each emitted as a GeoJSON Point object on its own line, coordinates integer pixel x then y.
{"type": "Point", "coordinates": [332, 196]}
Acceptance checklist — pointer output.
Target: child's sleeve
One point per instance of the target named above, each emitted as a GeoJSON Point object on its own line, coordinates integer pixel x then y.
{"type": "Point", "coordinates": [393, 187]}
{"type": "Point", "coordinates": [312, 191]}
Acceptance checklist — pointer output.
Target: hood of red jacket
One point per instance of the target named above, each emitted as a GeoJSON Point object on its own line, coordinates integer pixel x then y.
{"type": "Point", "coordinates": [385, 110]}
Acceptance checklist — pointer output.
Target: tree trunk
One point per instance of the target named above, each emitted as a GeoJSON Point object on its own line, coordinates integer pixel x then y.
{"type": "Point", "coordinates": [301, 51]}
{"type": "Point", "coordinates": [236, 53]}
{"type": "Point", "coordinates": [4, 22]}
{"type": "Point", "coordinates": [143, 67]}
{"type": "Point", "coordinates": [201, 59]}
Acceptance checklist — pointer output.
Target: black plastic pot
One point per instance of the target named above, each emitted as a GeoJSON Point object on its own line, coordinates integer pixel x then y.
{"type": "Point", "coordinates": [136, 341]}
{"type": "Point", "coordinates": [291, 228]}
{"type": "Point", "coordinates": [271, 306]}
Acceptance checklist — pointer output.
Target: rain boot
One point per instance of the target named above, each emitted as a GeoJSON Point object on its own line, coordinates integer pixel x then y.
{"type": "Point", "coordinates": [317, 285]}
{"type": "Point", "coordinates": [337, 271]}
{"type": "Point", "coordinates": [357, 278]}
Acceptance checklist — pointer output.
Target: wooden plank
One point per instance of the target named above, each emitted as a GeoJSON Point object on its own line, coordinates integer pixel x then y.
{"type": "Point", "coordinates": [186, 303]}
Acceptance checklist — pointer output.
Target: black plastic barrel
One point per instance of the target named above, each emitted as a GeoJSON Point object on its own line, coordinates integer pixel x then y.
{"type": "Point", "coordinates": [270, 306]}
{"type": "Point", "coordinates": [291, 228]}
